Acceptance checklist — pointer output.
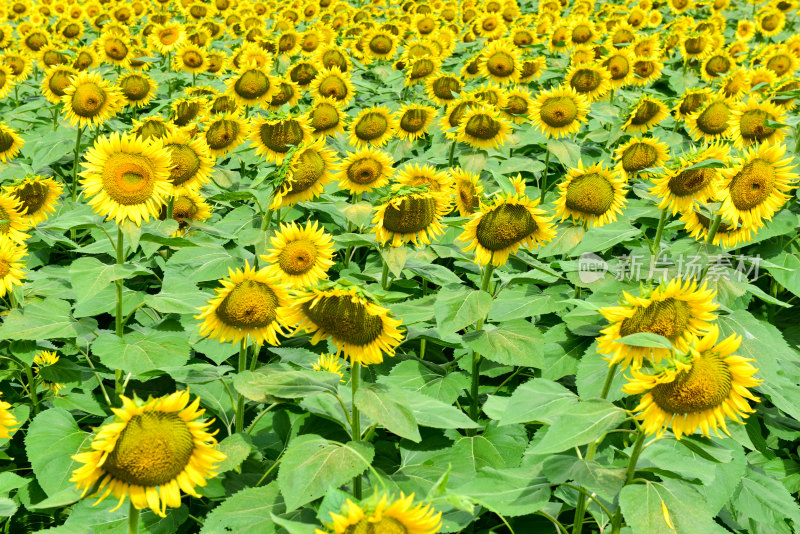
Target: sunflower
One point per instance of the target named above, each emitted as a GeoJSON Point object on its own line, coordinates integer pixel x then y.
{"type": "Point", "coordinates": [11, 265]}
{"type": "Point", "coordinates": [781, 62]}
{"type": "Point", "coordinates": [696, 46]}
{"type": "Point", "coordinates": [748, 123]}
{"type": "Point", "coordinates": [442, 88]}
{"type": "Point", "coordinates": [755, 186]}
{"type": "Point", "coordinates": [683, 184]}
{"type": "Point", "coordinates": [497, 231]}
{"type": "Point", "coordinates": [427, 175]}
{"type": "Point", "coordinates": [697, 225]}
{"type": "Point", "coordinates": [770, 22]}
{"type": "Point", "coordinates": [10, 143]}
{"type": "Point", "coordinates": [559, 112]}
{"type": "Point", "coordinates": [735, 83]}
{"type": "Point", "coordinates": [325, 117]}
{"type": "Point", "coordinates": [710, 122]}
{"type": "Point", "coordinates": [380, 44]}
{"type": "Point", "coordinates": [373, 126]}
{"type": "Point", "coordinates": [411, 217]}
{"type": "Point", "coordinates": [126, 177]}
{"type": "Point", "coordinates": [518, 105]}
{"type": "Point", "coordinates": [641, 153]}
{"type": "Point", "coordinates": [187, 206]}
{"type": "Point", "coordinates": [12, 221]}
{"type": "Point", "coordinates": [90, 100]}
{"type": "Point", "coordinates": [7, 419]}
{"type": "Point", "coordinates": [301, 256]}
{"type": "Point", "coordinates": [56, 79]}
{"type": "Point", "coordinates": [310, 169]}
{"type": "Point", "coordinates": [330, 363]}
{"type": "Point", "coordinates": [114, 48]}
{"type": "Point", "coordinates": [273, 138]}
{"type": "Point", "coordinates": [190, 161]}
{"type": "Point", "coordinates": [646, 113]}
{"type": "Point", "coordinates": [780, 97]}
{"type": "Point", "coordinates": [167, 38]}
{"type": "Point", "coordinates": [138, 89]}
{"type": "Point", "coordinates": [468, 191]}
{"type": "Point", "coordinates": [691, 101]}
{"type": "Point", "coordinates": [619, 64]}
{"type": "Point", "coordinates": [385, 518]}
{"type": "Point", "coordinates": [716, 65]}
{"type": "Point", "coordinates": [225, 133]}
{"type": "Point", "coordinates": [760, 79]}
{"type": "Point", "coordinates": [559, 37]}
{"type": "Point", "coordinates": [19, 64]}
{"type": "Point", "coordinates": [188, 110]}
{"type": "Point", "coordinates": [483, 127]}
{"type": "Point", "coordinates": [286, 93]}
{"type": "Point", "coordinates": [364, 170]}
{"type": "Point", "coordinates": [6, 80]}
{"type": "Point", "coordinates": [590, 81]}
{"type": "Point", "coordinates": [745, 30]}
{"type": "Point", "coordinates": [414, 120]}
{"type": "Point", "coordinates": [85, 59]}
{"type": "Point", "coordinates": [677, 311]}
{"type": "Point", "coordinates": [189, 58]}
{"type": "Point", "coordinates": [699, 392]}
{"type": "Point", "coordinates": [531, 69]}
{"type": "Point", "coordinates": [37, 197]}
{"type": "Point", "coordinates": [360, 329]}
{"type": "Point", "coordinates": [593, 196]}
{"type": "Point", "coordinates": [334, 84]}
{"type": "Point", "coordinates": [489, 93]}
{"type": "Point", "coordinates": [152, 127]}
{"type": "Point", "coordinates": [646, 70]}
{"type": "Point", "coordinates": [42, 359]}
{"type": "Point", "coordinates": [501, 62]}
{"type": "Point", "coordinates": [150, 453]}
{"type": "Point", "coordinates": [252, 85]}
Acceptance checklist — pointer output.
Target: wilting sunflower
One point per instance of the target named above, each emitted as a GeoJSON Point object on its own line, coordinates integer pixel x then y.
{"type": "Point", "coordinates": [37, 197]}
{"type": "Point", "coordinates": [559, 112]}
{"type": "Point", "coordinates": [755, 186]}
{"type": "Point", "coordinates": [90, 100]}
{"type": "Point", "coordinates": [501, 61]}
{"type": "Point", "coordinates": [126, 177]}
{"type": "Point", "coordinates": [364, 170]}
{"type": "Point", "coordinates": [56, 79]}
{"type": "Point", "coordinates": [273, 138]}
{"type": "Point", "coordinates": [151, 453]}
{"type": "Point", "coordinates": [360, 329]}
{"type": "Point", "coordinates": [678, 311]}
{"type": "Point", "coordinates": [252, 85]}
{"type": "Point", "coordinates": [590, 81]}
{"type": "Point", "coordinates": [682, 185]}
{"type": "Point", "coordinates": [697, 225]}
{"type": "Point", "coordinates": [385, 518]}
{"type": "Point", "coordinates": [10, 143]}
{"type": "Point", "coordinates": [712, 121]}
{"type": "Point", "coordinates": [11, 265]}
{"type": "Point", "coordinates": [225, 133]}
{"type": "Point", "coordinates": [593, 196]}
{"type": "Point", "coordinates": [137, 88]}
{"type": "Point", "coordinates": [748, 123]}
{"type": "Point", "coordinates": [12, 221]}
{"type": "Point", "coordinates": [414, 120]}
{"type": "Point", "coordinates": [442, 88]}
{"type": "Point", "coordinates": [301, 256]}
{"type": "Point", "coordinates": [698, 393]}
{"type": "Point", "coordinates": [411, 217]}
{"type": "Point", "coordinates": [334, 84]}
{"type": "Point", "coordinates": [7, 420]}
{"type": "Point", "coordinates": [641, 153]}
{"type": "Point", "coordinates": [250, 305]}
{"type": "Point", "coordinates": [190, 161]}
{"type": "Point", "coordinates": [310, 169]}
{"type": "Point", "coordinates": [187, 206]}
{"type": "Point", "coordinates": [468, 191]}
{"type": "Point", "coordinates": [372, 126]}
{"type": "Point", "coordinates": [645, 114]}
{"type": "Point", "coordinates": [483, 127]}
{"type": "Point", "coordinates": [43, 359]}
{"type": "Point", "coordinates": [497, 231]}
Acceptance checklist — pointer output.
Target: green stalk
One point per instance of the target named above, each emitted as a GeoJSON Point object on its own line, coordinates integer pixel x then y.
{"type": "Point", "coordinates": [133, 519]}
{"type": "Point", "coordinates": [616, 522]}
{"type": "Point", "coordinates": [240, 402]}
{"type": "Point", "coordinates": [542, 186]}
{"type": "Point", "coordinates": [385, 274]}
{"type": "Point", "coordinates": [654, 248]}
{"type": "Point", "coordinates": [580, 507]}
{"type": "Point", "coordinates": [422, 346]}
{"type": "Point", "coordinates": [75, 165]}
{"type": "Point", "coordinates": [355, 419]}
{"type": "Point", "coordinates": [476, 358]}
{"type": "Point", "coordinates": [712, 230]}
{"type": "Point", "coordinates": [170, 207]}
{"type": "Point", "coordinates": [452, 154]}
{"type": "Point", "coordinates": [32, 389]}
{"type": "Point", "coordinates": [118, 388]}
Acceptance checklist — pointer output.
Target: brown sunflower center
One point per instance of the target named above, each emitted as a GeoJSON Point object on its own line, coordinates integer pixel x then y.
{"type": "Point", "coordinates": [446, 87]}
{"type": "Point", "coordinates": [185, 163]}
{"type": "Point", "coordinates": [83, 61]}
{"type": "Point", "coordinates": [135, 88]}
{"type": "Point", "coordinates": [186, 112]}
{"type": "Point", "coordinates": [414, 120]}
{"type": "Point", "coordinates": [421, 68]}
{"type": "Point", "coordinates": [35, 41]}
{"type": "Point", "coordinates": [153, 449]}
{"type": "Point", "coordinates": [691, 103]}
{"type": "Point", "coordinates": [168, 36]}
{"type": "Point", "coordinates": [16, 64]}
{"type": "Point", "coordinates": [639, 156]}
{"type": "Point", "coordinates": [5, 227]}
{"type": "Point", "coordinates": [644, 68]}
{"type": "Point", "coordinates": [333, 86]}
{"type": "Point", "coordinates": [586, 80]}
{"type": "Point", "coordinates": [590, 193]}
{"type": "Point", "coordinates": [307, 168]}
{"type": "Point", "coordinates": [302, 74]}
{"type": "Point", "coordinates": [410, 214]}
{"type": "Point", "coordinates": [153, 128]}
{"type": "Point", "coordinates": [694, 45]}
{"type": "Point", "coordinates": [717, 65]}
{"type": "Point", "coordinates": [618, 67]}
{"type": "Point", "coordinates": [344, 319]}
{"type": "Point", "coordinates": [115, 49]}
{"type": "Point", "coordinates": [364, 171]}
{"type": "Point", "coordinates": [558, 111]}
{"type": "Point", "coordinates": [770, 22]}
{"type": "Point", "coordinates": [752, 125]}
{"type": "Point", "coordinates": [516, 105]}
{"type": "Point", "coordinates": [88, 99]}
{"type": "Point", "coordinates": [387, 525]}
{"type": "Point", "coordinates": [668, 318]}
{"type": "Point", "coordinates": [753, 184]}
{"type": "Point", "coordinates": [779, 64]}
{"type": "Point", "coordinates": [223, 104]}
{"type": "Point", "coordinates": [183, 208]}
{"type": "Point", "coordinates": [5, 268]}
{"type": "Point", "coordinates": [283, 95]}
{"type": "Point", "coordinates": [371, 126]}
{"type": "Point", "coordinates": [381, 44]}
{"type": "Point", "coordinates": [500, 64]}
{"type": "Point", "coordinates": [468, 196]}
{"type": "Point", "coordinates": [482, 126]}
{"type": "Point", "coordinates": [6, 141]}
{"type": "Point", "coordinates": [192, 59]}
{"type": "Point", "coordinates": [298, 257]}
{"type": "Point", "coordinates": [222, 134]}
{"type": "Point", "coordinates": [581, 33]}
{"type": "Point", "coordinates": [504, 226]}
{"type": "Point", "coordinates": [703, 387]}
{"type": "Point", "coordinates": [250, 304]}
{"type": "Point", "coordinates": [32, 196]}
{"type": "Point", "coordinates": [282, 135]}
{"type": "Point", "coordinates": [129, 179]}
{"type": "Point", "coordinates": [645, 112]}
{"type": "Point", "coordinates": [714, 119]}
{"type": "Point", "coordinates": [252, 85]}
{"type": "Point", "coordinates": [690, 181]}
{"type": "Point", "coordinates": [334, 58]}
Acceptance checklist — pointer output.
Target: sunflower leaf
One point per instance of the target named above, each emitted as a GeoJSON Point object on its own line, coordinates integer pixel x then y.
{"type": "Point", "coordinates": [383, 405]}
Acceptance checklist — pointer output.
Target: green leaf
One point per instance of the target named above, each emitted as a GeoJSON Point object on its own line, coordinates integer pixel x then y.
{"type": "Point", "coordinates": [386, 406]}
{"type": "Point", "coordinates": [283, 381]}
{"type": "Point", "coordinates": [434, 413]}
{"type": "Point", "coordinates": [584, 423]}
{"type": "Point", "coordinates": [591, 475]}
{"type": "Point", "coordinates": [567, 152]}
{"type": "Point", "coordinates": [432, 272]}
{"type": "Point", "coordinates": [208, 262]}
{"type": "Point", "coordinates": [246, 511]}
{"type": "Point", "coordinates": [237, 448]}
{"type": "Point", "coordinates": [53, 437]}
{"type": "Point", "coordinates": [789, 277]}
{"type": "Point", "coordinates": [513, 343]}
{"type": "Point", "coordinates": [457, 307]}
{"type": "Point", "coordinates": [538, 400]}
{"type": "Point", "coordinates": [44, 319]}
{"type": "Point", "coordinates": [177, 295]}
{"type": "Point", "coordinates": [600, 238]}
{"type": "Point", "coordinates": [645, 339]}
{"type": "Point", "coordinates": [764, 499]}
{"type": "Point", "coordinates": [142, 352]}
{"type": "Point", "coordinates": [510, 492]}
{"type": "Point", "coordinates": [7, 507]}
{"type": "Point", "coordinates": [311, 464]}
{"type": "Point", "coordinates": [89, 275]}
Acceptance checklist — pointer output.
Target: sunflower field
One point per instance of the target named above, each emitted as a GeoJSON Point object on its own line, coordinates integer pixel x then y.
{"type": "Point", "coordinates": [415, 267]}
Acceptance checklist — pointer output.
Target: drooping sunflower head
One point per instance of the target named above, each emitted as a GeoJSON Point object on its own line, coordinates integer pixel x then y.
{"type": "Point", "coordinates": [749, 123]}
{"type": "Point", "coordinates": [10, 142]}
{"type": "Point", "coordinates": [419, 69]}
{"type": "Point", "coordinates": [411, 217]}
{"type": "Point", "coordinates": [691, 101]}
{"type": "Point", "coordinates": [593, 196]}
{"type": "Point", "coordinates": [274, 138]}
{"type": "Point", "coordinates": [443, 88]}
{"type": "Point", "coordinates": [641, 153]}
{"type": "Point", "coordinates": [152, 127]}
{"type": "Point", "coordinates": [699, 391]}
{"type": "Point", "coordinates": [364, 170]}
{"type": "Point", "coordinates": [414, 120]}
{"type": "Point", "coordinates": [252, 85]}
{"type": "Point", "coordinates": [309, 169]}
{"type": "Point", "coordinates": [646, 70]}
{"type": "Point", "coordinates": [645, 114]}
{"type": "Point", "coordinates": [384, 516]}
{"type": "Point", "coordinates": [695, 178]}
{"type": "Point", "coordinates": [126, 178]}
{"type": "Point", "coordinates": [188, 110]}
{"type": "Point", "coordinates": [517, 106]}
{"type": "Point", "coordinates": [468, 191]}
{"type": "Point", "coordinates": [287, 93]}
{"type": "Point", "coordinates": [11, 269]}
{"type": "Point", "coordinates": [589, 80]}
{"type": "Point", "coordinates": [56, 79]}
{"type": "Point", "coordinates": [373, 126]}
{"type": "Point", "coordinates": [190, 159]}
{"type": "Point", "coordinates": [497, 231]}
{"type": "Point", "coordinates": [225, 133]}
{"type": "Point", "coordinates": [137, 88]}
{"type": "Point", "coordinates": [300, 255]}
{"type": "Point", "coordinates": [37, 197]}
{"type": "Point", "coordinates": [358, 326]}
{"type": "Point", "coordinates": [677, 310]}
{"type": "Point", "coordinates": [559, 112]}
{"type": "Point", "coordinates": [187, 206]}
{"type": "Point", "coordinates": [152, 452]}
{"type": "Point", "coordinates": [730, 236]}
{"type": "Point", "coordinates": [90, 100]}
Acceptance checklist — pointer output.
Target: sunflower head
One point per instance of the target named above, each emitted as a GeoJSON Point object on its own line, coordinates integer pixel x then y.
{"type": "Point", "coordinates": [689, 181]}
{"type": "Point", "coordinates": [373, 126]}
{"type": "Point", "coordinates": [10, 143]}
{"type": "Point", "coordinates": [645, 114]}
{"type": "Point", "coordinates": [309, 169]}
{"type": "Point", "coordinates": [594, 195]}
{"type": "Point", "coordinates": [90, 100]}
{"type": "Point", "coordinates": [559, 112]}
{"type": "Point", "coordinates": [301, 256]}
{"type": "Point", "coordinates": [274, 138]}
{"type": "Point", "coordinates": [224, 134]}
{"type": "Point", "coordinates": [365, 170]}
{"type": "Point", "coordinates": [468, 191]}
{"type": "Point", "coordinates": [385, 515]}
{"type": "Point", "coordinates": [37, 197]}
{"type": "Point", "coordinates": [413, 121]}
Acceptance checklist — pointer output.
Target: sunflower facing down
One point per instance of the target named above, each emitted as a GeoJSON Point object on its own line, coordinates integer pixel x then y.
{"type": "Point", "coordinates": [677, 311]}
{"type": "Point", "coordinates": [711, 122]}
{"type": "Point", "coordinates": [681, 186]}
{"type": "Point", "coordinates": [414, 120]}
{"type": "Point", "coordinates": [56, 79]}
{"type": "Point", "coordinates": [10, 143]}
{"type": "Point", "coordinates": [497, 231]}
{"type": "Point", "coordinates": [360, 329]}
{"type": "Point", "coordinates": [699, 393]}
{"type": "Point", "coordinates": [90, 100]}
{"type": "Point", "coordinates": [273, 138]}
{"type": "Point", "coordinates": [468, 191]}
{"type": "Point", "coordinates": [413, 217]}
{"type": "Point", "coordinates": [225, 133]}
{"type": "Point", "coordinates": [559, 112]}
{"type": "Point", "coordinates": [483, 127]}
{"type": "Point", "coordinates": [645, 114]}
{"type": "Point", "coordinates": [755, 186]}
{"type": "Point", "coordinates": [385, 518]}
{"type": "Point", "coordinates": [126, 177]}
{"type": "Point", "coordinates": [190, 159]}
{"type": "Point", "coordinates": [372, 126]}
{"type": "Point", "coordinates": [310, 169]}
{"type": "Point", "coordinates": [11, 265]}
{"type": "Point", "coordinates": [250, 305]}
{"type": "Point", "coordinates": [364, 170]}
{"type": "Point", "coordinates": [730, 236]}
{"type": "Point", "coordinates": [301, 256]}
{"type": "Point", "coordinates": [152, 452]}
{"type": "Point", "coordinates": [37, 197]}
{"type": "Point", "coordinates": [7, 420]}
{"type": "Point", "coordinates": [252, 85]}
{"type": "Point", "coordinates": [641, 153]}
{"type": "Point", "coordinates": [748, 123]}
{"type": "Point", "coordinates": [593, 196]}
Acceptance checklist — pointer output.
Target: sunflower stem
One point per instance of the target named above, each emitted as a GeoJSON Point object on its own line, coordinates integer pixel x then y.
{"type": "Point", "coordinates": [654, 248]}
{"type": "Point", "coordinates": [133, 519]}
{"type": "Point", "coordinates": [119, 325]}
{"type": "Point", "coordinates": [75, 167]}
{"type": "Point", "coordinates": [542, 186]}
{"type": "Point", "coordinates": [452, 154]}
{"type": "Point", "coordinates": [32, 389]}
{"type": "Point", "coordinates": [385, 274]}
{"type": "Point", "coordinates": [170, 207]}
{"type": "Point", "coordinates": [616, 522]}
{"type": "Point", "coordinates": [240, 402]}
{"type": "Point", "coordinates": [355, 419]}
{"type": "Point", "coordinates": [422, 345]}
{"type": "Point", "coordinates": [712, 230]}
{"type": "Point", "coordinates": [476, 358]}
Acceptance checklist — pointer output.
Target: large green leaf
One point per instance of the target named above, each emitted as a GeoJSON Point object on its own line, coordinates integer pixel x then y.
{"type": "Point", "coordinates": [457, 307]}
{"type": "Point", "coordinates": [586, 422]}
{"type": "Point", "coordinates": [44, 319]}
{"type": "Point", "coordinates": [246, 511]}
{"type": "Point", "coordinates": [385, 406]}
{"type": "Point", "coordinates": [53, 437]}
{"type": "Point", "coordinates": [142, 352]}
{"type": "Point", "coordinates": [513, 343]}
{"type": "Point", "coordinates": [509, 492]}
{"type": "Point", "coordinates": [283, 381]}
{"type": "Point", "coordinates": [538, 400]}
{"type": "Point", "coordinates": [89, 275]}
